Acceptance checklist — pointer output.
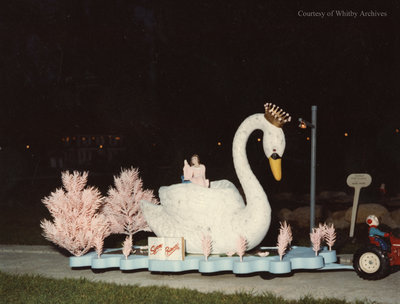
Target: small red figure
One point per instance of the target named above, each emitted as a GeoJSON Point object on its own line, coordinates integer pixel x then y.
{"type": "Point", "coordinates": [375, 235]}
{"type": "Point", "coordinates": [375, 261]}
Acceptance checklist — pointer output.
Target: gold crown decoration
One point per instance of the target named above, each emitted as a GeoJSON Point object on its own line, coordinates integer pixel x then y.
{"type": "Point", "coordinates": [275, 115]}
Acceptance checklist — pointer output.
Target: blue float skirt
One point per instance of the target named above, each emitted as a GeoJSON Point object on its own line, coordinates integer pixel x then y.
{"type": "Point", "coordinates": [185, 181]}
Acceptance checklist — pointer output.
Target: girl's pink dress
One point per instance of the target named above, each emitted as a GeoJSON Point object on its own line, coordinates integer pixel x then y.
{"type": "Point", "coordinates": [197, 175]}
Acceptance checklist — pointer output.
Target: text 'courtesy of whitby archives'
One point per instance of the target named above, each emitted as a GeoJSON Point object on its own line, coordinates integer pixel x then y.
{"type": "Point", "coordinates": [342, 13]}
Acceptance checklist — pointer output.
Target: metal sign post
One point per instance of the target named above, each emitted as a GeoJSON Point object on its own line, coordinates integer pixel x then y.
{"type": "Point", "coordinates": [313, 125]}
{"type": "Point", "coordinates": [357, 181]}
{"type": "Point", "coordinates": [313, 165]}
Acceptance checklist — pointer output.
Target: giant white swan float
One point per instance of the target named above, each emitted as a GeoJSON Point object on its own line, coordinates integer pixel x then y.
{"type": "Point", "coordinates": [191, 211]}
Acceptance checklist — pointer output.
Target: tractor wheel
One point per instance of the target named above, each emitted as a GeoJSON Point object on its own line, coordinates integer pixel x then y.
{"type": "Point", "coordinates": [371, 263]}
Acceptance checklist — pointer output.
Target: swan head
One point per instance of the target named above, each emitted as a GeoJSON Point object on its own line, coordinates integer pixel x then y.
{"type": "Point", "coordinates": [274, 139]}
{"type": "Point", "coordinates": [274, 147]}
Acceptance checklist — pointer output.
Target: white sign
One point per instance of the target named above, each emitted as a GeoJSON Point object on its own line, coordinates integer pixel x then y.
{"type": "Point", "coordinates": [166, 248]}
{"type": "Point", "coordinates": [357, 181]}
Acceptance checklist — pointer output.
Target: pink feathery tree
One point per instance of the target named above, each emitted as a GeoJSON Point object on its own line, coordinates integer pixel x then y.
{"type": "Point", "coordinates": [206, 244]}
{"type": "Point", "coordinates": [330, 236]}
{"type": "Point", "coordinates": [285, 237]}
{"type": "Point", "coordinates": [77, 225]}
{"type": "Point", "coordinates": [287, 230]}
{"type": "Point", "coordinates": [323, 230]}
{"type": "Point", "coordinates": [241, 247]}
{"type": "Point", "coordinates": [127, 246]}
{"type": "Point", "coordinates": [122, 204]}
{"type": "Point", "coordinates": [103, 230]}
{"type": "Point", "coordinates": [315, 237]}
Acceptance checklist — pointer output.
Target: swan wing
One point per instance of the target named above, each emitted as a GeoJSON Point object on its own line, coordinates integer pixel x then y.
{"type": "Point", "coordinates": [196, 206]}
{"type": "Point", "coordinates": [232, 193]}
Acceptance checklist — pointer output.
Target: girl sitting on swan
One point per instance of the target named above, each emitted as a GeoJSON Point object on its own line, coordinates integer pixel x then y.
{"type": "Point", "coordinates": [196, 173]}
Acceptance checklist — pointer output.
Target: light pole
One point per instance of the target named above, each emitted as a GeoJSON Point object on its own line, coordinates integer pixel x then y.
{"type": "Point", "coordinates": [313, 125]}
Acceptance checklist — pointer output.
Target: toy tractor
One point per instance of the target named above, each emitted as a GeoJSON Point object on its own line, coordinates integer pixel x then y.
{"type": "Point", "coordinates": [376, 260]}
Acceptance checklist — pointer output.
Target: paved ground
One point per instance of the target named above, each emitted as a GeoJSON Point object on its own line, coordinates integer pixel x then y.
{"type": "Point", "coordinates": [46, 261]}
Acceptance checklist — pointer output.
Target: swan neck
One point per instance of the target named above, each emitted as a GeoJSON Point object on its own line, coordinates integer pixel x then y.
{"type": "Point", "coordinates": [251, 186]}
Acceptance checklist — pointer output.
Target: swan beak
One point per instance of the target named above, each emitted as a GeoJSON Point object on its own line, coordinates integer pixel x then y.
{"type": "Point", "coordinates": [276, 167]}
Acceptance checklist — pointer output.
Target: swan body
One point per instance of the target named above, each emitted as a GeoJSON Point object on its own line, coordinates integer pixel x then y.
{"type": "Point", "coordinates": [191, 211]}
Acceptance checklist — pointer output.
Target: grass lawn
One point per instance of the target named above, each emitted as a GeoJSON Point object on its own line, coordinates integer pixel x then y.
{"type": "Point", "coordinates": [35, 289]}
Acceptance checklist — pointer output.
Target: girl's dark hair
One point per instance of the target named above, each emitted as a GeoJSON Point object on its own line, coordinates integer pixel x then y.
{"type": "Point", "coordinates": [198, 158]}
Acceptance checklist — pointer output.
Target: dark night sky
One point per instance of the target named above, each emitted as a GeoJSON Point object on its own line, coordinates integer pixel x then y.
{"type": "Point", "coordinates": [184, 75]}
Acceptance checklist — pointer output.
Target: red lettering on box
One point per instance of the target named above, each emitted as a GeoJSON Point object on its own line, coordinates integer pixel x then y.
{"type": "Point", "coordinates": [154, 249]}
{"type": "Point", "coordinates": [169, 251]}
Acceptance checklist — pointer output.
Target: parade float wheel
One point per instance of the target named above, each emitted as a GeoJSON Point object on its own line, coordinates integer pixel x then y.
{"type": "Point", "coordinates": [371, 263]}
